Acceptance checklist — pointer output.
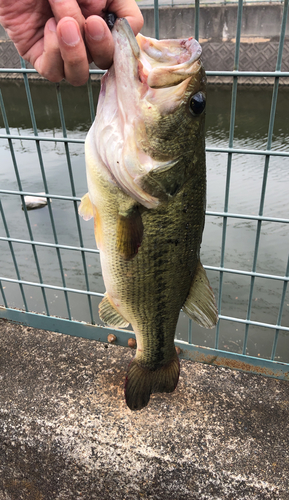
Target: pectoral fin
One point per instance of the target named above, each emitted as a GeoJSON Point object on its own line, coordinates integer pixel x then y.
{"type": "Point", "coordinates": [109, 315]}
{"type": "Point", "coordinates": [85, 208]}
{"type": "Point", "coordinates": [129, 232]}
{"type": "Point", "coordinates": [200, 304]}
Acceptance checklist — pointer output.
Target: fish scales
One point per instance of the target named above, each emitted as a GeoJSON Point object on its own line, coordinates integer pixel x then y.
{"type": "Point", "coordinates": [147, 192]}
{"type": "Point", "coordinates": [150, 301]}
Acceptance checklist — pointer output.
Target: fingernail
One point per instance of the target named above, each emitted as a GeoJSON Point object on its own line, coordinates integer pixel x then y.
{"type": "Point", "coordinates": [51, 24]}
{"type": "Point", "coordinates": [95, 30]}
{"type": "Point", "coordinates": [69, 33]}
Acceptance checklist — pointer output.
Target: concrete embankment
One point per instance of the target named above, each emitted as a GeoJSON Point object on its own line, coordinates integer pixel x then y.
{"type": "Point", "coordinates": [261, 26]}
{"type": "Point", "coordinates": [67, 434]}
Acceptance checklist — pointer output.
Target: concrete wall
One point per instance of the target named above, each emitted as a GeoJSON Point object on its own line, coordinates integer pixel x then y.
{"type": "Point", "coordinates": [261, 26]}
{"type": "Point", "coordinates": [217, 30]}
{"type": "Point", "coordinates": [217, 22]}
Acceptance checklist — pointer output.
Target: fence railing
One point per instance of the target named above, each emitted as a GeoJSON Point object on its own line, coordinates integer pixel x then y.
{"type": "Point", "coordinates": [240, 359]}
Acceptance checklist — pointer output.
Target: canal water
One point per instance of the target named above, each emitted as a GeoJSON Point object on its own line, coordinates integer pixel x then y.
{"type": "Point", "coordinates": [251, 128]}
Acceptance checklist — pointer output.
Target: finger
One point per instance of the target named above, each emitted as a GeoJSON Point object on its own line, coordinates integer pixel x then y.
{"type": "Point", "coordinates": [73, 51]}
{"type": "Point", "coordinates": [122, 8]}
{"type": "Point", "coordinates": [130, 11]}
{"type": "Point", "coordinates": [93, 7]}
{"type": "Point", "coordinates": [49, 63]}
{"type": "Point", "coordinates": [64, 8]}
{"type": "Point", "coordinates": [99, 41]}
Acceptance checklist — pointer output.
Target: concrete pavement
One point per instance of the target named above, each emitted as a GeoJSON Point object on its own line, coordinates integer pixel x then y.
{"type": "Point", "coordinates": [67, 434]}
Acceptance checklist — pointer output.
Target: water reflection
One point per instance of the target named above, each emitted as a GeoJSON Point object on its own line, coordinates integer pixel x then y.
{"type": "Point", "coordinates": [252, 119]}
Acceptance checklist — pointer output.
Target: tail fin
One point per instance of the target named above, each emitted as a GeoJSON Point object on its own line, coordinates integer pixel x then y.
{"type": "Point", "coordinates": [141, 382]}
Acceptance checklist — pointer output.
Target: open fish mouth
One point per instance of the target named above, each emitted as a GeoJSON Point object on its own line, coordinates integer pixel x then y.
{"type": "Point", "coordinates": [144, 64]}
{"type": "Point", "coordinates": [161, 63]}
{"type": "Point", "coordinates": [169, 63]}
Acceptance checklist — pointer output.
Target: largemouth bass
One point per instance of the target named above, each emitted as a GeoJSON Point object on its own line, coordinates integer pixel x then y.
{"type": "Point", "coordinates": [146, 174]}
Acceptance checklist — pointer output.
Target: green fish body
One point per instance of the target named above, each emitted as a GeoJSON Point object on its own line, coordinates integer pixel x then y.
{"type": "Point", "coordinates": [145, 157]}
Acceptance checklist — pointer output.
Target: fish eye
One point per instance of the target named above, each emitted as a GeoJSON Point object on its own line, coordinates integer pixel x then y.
{"type": "Point", "coordinates": [197, 103]}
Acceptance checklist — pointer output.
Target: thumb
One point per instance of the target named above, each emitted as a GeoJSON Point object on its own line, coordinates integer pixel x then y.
{"type": "Point", "coordinates": [99, 41]}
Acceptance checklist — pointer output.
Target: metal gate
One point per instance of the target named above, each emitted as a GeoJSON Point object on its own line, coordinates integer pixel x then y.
{"type": "Point", "coordinates": [17, 233]}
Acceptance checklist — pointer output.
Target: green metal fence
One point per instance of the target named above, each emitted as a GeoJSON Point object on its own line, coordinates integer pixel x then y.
{"type": "Point", "coordinates": [68, 324]}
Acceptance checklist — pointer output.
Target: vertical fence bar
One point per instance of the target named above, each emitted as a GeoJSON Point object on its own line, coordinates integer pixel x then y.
{"type": "Point", "coordinates": [280, 312]}
{"type": "Point", "coordinates": [190, 331]}
{"type": "Point", "coordinates": [13, 255]}
{"type": "Point", "coordinates": [157, 19]}
{"type": "Point", "coordinates": [40, 158]}
{"type": "Point", "coordinates": [266, 167]}
{"type": "Point", "coordinates": [90, 99]}
{"type": "Point", "coordinates": [3, 295]}
{"type": "Point", "coordinates": [197, 18]}
{"type": "Point", "coordinates": [229, 162]}
{"type": "Point", "coordinates": [64, 131]}
{"type": "Point", "coordinates": [23, 201]}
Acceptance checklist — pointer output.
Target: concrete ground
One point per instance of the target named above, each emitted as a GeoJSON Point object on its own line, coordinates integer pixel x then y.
{"type": "Point", "coordinates": [66, 433]}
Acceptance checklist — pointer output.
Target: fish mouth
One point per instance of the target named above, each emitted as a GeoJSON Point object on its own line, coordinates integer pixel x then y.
{"type": "Point", "coordinates": [158, 63]}
{"type": "Point", "coordinates": [168, 63]}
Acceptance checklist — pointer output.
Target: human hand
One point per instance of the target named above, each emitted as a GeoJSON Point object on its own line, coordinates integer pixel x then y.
{"type": "Point", "coordinates": [61, 37]}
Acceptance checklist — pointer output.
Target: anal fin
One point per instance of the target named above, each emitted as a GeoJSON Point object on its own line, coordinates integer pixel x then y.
{"type": "Point", "coordinates": [109, 315]}
{"type": "Point", "coordinates": [200, 304]}
{"type": "Point", "coordinates": [129, 232]}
